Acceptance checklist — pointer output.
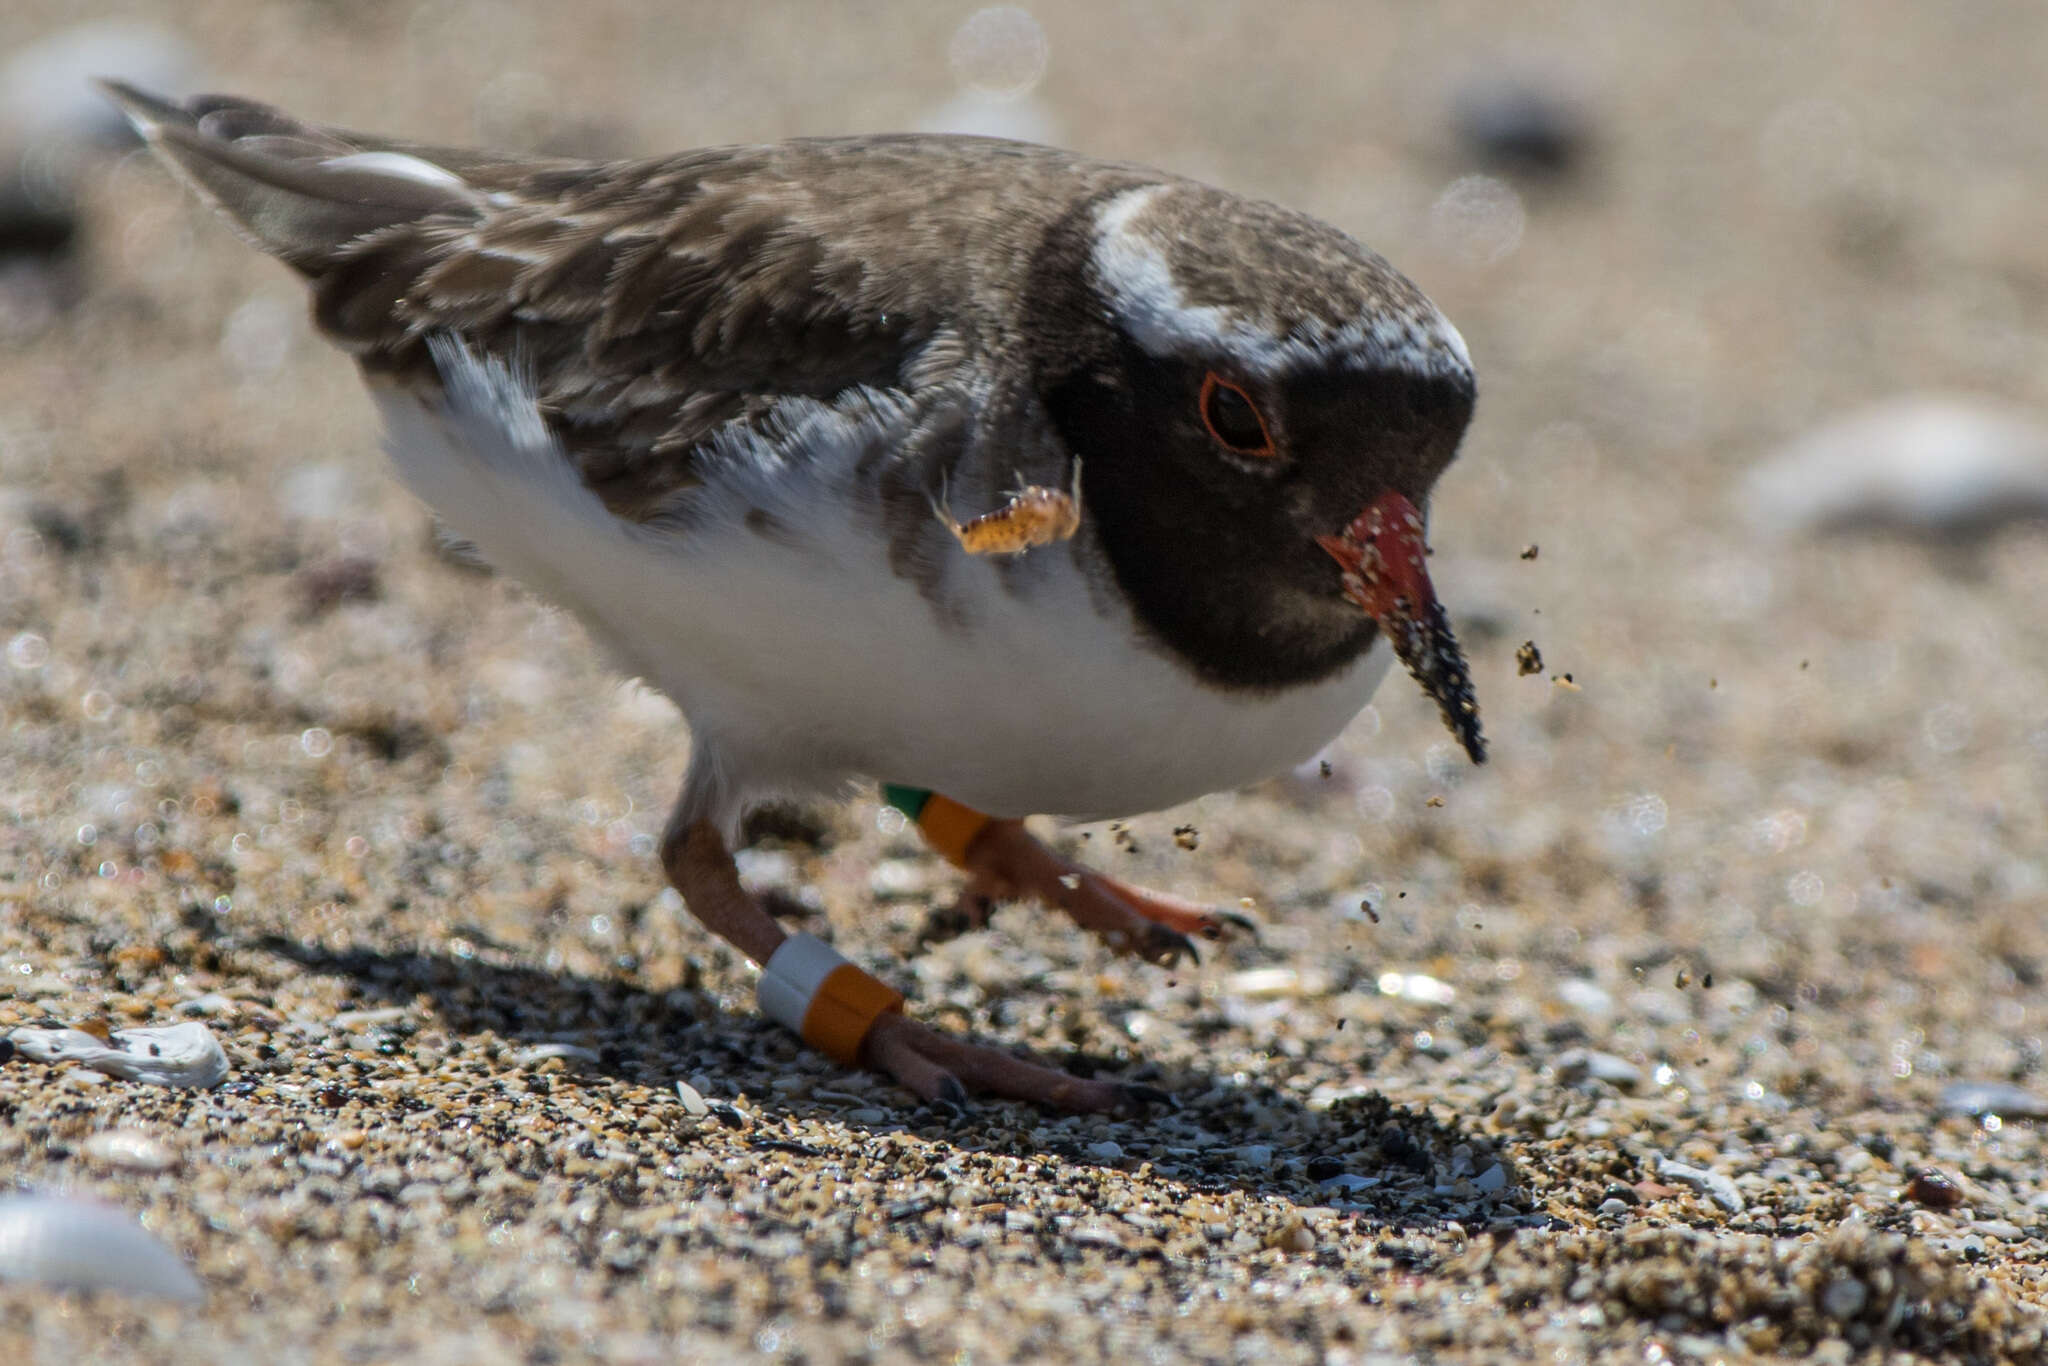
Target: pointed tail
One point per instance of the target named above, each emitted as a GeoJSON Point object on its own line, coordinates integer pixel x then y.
{"type": "Point", "coordinates": [301, 192]}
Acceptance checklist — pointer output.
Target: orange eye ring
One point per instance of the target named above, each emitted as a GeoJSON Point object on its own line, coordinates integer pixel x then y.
{"type": "Point", "coordinates": [1233, 419]}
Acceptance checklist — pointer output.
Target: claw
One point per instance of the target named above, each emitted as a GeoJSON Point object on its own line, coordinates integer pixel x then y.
{"type": "Point", "coordinates": [952, 1100]}
{"type": "Point", "coordinates": [1240, 922]}
{"type": "Point", "coordinates": [1139, 1095]}
{"type": "Point", "coordinates": [1166, 947]}
{"type": "Point", "coordinates": [971, 910]}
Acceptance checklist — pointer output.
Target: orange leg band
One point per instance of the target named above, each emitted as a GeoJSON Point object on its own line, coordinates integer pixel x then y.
{"type": "Point", "coordinates": [809, 989]}
{"type": "Point", "coordinates": [846, 1006]}
{"type": "Point", "coordinates": [950, 827]}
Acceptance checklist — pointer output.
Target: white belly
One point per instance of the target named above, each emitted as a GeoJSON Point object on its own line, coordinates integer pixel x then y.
{"type": "Point", "coordinates": [820, 664]}
{"type": "Point", "coordinates": [802, 661]}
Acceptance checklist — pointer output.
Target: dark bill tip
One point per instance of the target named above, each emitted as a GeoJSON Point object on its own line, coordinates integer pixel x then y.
{"type": "Point", "coordinates": [1429, 650]}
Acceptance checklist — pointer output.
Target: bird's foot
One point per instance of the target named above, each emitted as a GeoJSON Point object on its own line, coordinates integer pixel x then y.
{"type": "Point", "coordinates": [851, 1016]}
{"type": "Point", "coordinates": [1005, 862]}
{"type": "Point", "coordinates": [943, 1069]}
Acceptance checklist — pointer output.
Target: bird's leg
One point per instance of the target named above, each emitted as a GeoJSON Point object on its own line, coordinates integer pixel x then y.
{"type": "Point", "coordinates": [1004, 861]}
{"type": "Point", "coordinates": [701, 867]}
{"type": "Point", "coordinates": [847, 1013]}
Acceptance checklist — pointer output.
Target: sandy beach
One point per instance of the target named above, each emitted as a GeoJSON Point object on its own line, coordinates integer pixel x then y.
{"type": "Point", "coordinates": [1704, 1023]}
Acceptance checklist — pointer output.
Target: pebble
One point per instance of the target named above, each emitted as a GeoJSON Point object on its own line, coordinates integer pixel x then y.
{"type": "Point", "coordinates": [1589, 998]}
{"type": "Point", "coordinates": [1713, 1185]}
{"type": "Point", "coordinates": [1417, 986]}
{"type": "Point", "coordinates": [1521, 123]}
{"type": "Point", "coordinates": [1109, 1150]}
{"type": "Point", "coordinates": [764, 868]}
{"type": "Point", "coordinates": [1293, 1236]}
{"type": "Point", "coordinates": [81, 1244]}
{"type": "Point", "coordinates": [38, 218]}
{"type": "Point", "coordinates": [1257, 1155]}
{"type": "Point", "coordinates": [1275, 983]}
{"type": "Point", "coordinates": [1613, 1208]}
{"type": "Point", "coordinates": [1933, 1189]}
{"type": "Point", "coordinates": [130, 1149]}
{"type": "Point", "coordinates": [899, 879]}
{"type": "Point", "coordinates": [165, 1055]}
{"type": "Point", "coordinates": [539, 1053]}
{"type": "Point", "coordinates": [1576, 1065]}
{"type": "Point", "coordinates": [350, 1021]}
{"type": "Point", "coordinates": [1345, 1182]}
{"type": "Point", "coordinates": [330, 583]}
{"type": "Point", "coordinates": [1494, 1178]}
{"type": "Point", "coordinates": [1934, 465]}
{"type": "Point", "coordinates": [1844, 1298]}
{"type": "Point", "coordinates": [46, 88]}
{"type": "Point", "coordinates": [1978, 1098]}
{"type": "Point", "coordinates": [1097, 1233]}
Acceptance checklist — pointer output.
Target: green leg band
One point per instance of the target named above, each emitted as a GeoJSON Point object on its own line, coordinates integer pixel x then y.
{"type": "Point", "coordinates": [909, 800]}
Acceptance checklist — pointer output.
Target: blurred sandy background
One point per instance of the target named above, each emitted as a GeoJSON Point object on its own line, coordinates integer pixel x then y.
{"type": "Point", "coordinates": [267, 760]}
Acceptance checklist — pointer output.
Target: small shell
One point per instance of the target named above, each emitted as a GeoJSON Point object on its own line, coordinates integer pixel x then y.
{"type": "Point", "coordinates": [171, 1055]}
{"type": "Point", "coordinates": [62, 1241]}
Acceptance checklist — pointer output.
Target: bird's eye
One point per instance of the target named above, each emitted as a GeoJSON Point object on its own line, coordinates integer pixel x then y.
{"type": "Point", "coordinates": [1233, 419]}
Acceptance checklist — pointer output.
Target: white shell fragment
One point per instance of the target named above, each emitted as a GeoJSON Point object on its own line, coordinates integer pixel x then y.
{"type": "Point", "coordinates": [547, 1052]}
{"type": "Point", "coordinates": [167, 1055]}
{"type": "Point", "coordinates": [87, 1245]}
{"type": "Point", "coordinates": [1992, 1098]}
{"type": "Point", "coordinates": [1932, 465]}
{"type": "Point", "coordinates": [1267, 984]}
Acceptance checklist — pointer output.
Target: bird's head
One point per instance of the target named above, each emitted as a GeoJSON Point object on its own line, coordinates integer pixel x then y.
{"type": "Point", "coordinates": [1262, 407]}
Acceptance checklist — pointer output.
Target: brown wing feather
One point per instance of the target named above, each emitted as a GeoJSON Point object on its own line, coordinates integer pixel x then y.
{"type": "Point", "coordinates": [654, 302]}
{"type": "Point", "coordinates": [654, 305]}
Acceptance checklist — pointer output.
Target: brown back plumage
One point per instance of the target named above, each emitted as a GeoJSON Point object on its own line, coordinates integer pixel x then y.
{"type": "Point", "coordinates": [655, 302]}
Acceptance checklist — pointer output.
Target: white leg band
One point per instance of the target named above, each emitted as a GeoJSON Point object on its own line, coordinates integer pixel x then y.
{"type": "Point", "coordinates": [791, 978]}
{"type": "Point", "coordinates": [826, 1001]}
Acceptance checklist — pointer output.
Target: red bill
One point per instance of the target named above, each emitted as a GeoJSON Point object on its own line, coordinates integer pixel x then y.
{"type": "Point", "coordinates": [1384, 558]}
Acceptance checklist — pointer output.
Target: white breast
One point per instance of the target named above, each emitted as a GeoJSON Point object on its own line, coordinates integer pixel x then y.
{"type": "Point", "coordinates": [818, 664]}
{"type": "Point", "coordinates": [802, 661]}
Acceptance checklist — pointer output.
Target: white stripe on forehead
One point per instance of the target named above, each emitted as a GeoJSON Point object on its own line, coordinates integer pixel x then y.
{"type": "Point", "coordinates": [1134, 274]}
